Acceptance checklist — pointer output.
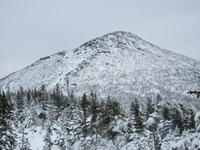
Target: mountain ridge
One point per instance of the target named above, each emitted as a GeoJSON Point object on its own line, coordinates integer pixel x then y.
{"type": "Point", "coordinates": [120, 64]}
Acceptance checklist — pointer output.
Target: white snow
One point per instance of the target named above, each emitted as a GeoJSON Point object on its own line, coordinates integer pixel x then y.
{"type": "Point", "coordinates": [36, 138]}
{"type": "Point", "coordinates": [76, 145]}
{"type": "Point", "coordinates": [119, 64]}
{"type": "Point", "coordinates": [150, 122]}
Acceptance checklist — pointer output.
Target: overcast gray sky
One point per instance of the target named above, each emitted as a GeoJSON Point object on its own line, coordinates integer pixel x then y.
{"type": "Point", "coordinates": [31, 29]}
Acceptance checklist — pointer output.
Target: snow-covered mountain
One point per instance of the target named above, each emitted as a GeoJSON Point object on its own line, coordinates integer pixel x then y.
{"type": "Point", "coordinates": [120, 64]}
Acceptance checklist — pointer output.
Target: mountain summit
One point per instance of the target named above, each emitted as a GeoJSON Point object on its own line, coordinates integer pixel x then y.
{"type": "Point", "coordinates": [120, 64]}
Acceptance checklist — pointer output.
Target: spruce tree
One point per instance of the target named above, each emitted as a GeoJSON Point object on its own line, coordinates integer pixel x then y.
{"type": "Point", "coordinates": [94, 112]}
{"type": "Point", "coordinates": [23, 143]}
{"type": "Point", "coordinates": [138, 121]}
{"type": "Point", "coordinates": [152, 124]}
{"type": "Point", "coordinates": [47, 137]}
{"type": "Point", "coordinates": [131, 121]}
{"type": "Point", "coordinates": [149, 107]}
{"type": "Point", "coordinates": [19, 104]}
{"type": "Point", "coordinates": [166, 113]}
{"type": "Point", "coordinates": [44, 97]}
{"type": "Point", "coordinates": [58, 96]}
{"type": "Point", "coordinates": [7, 136]}
{"type": "Point", "coordinates": [191, 119]}
{"type": "Point", "coordinates": [177, 120]}
{"type": "Point", "coordinates": [84, 106]}
{"type": "Point", "coordinates": [109, 112]}
{"type": "Point", "coordinates": [159, 98]}
{"type": "Point", "coordinates": [187, 117]}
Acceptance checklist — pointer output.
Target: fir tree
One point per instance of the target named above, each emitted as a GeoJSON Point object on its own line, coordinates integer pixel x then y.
{"type": "Point", "coordinates": [47, 137]}
{"type": "Point", "coordinates": [57, 96]}
{"type": "Point", "coordinates": [152, 124]}
{"type": "Point", "coordinates": [94, 112]}
{"type": "Point", "coordinates": [110, 111]}
{"type": "Point", "coordinates": [72, 99]}
{"type": "Point", "coordinates": [19, 104]}
{"type": "Point", "coordinates": [187, 117]}
{"type": "Point", "coordinates": [58, 100]}
{"type": "Point", "coordinates": [28, 97]}
{"type": "Point", "coordinates": [191, 119]}
{"type": "Point", "coordinates": [7, 137]}
{"type": "Point", "coordinates": [158, 99]}
{"type": "Point", "coordinates": [24, 143]}
{"type": "Point", "coordinates": [166, 113]}
{"type": "Point", "coordinates": [70, 122]}
{"type": "Point", "coordinates": [43, 97]}
{"type": "Point", "coordinates": [149, 107]}
{"type": "Point", "coordinates": [177, 120]}
{"type": "Point", "coordinates": [131, 121]}
{"type": "Point", "coordinates": [84, 106]}
{"type": "Point", "coordinates": [138, 121]}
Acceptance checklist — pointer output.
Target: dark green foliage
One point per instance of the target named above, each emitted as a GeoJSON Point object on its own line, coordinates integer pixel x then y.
{"type": "Point", "coordinates": [159, 98]}
{"type": "Point", "coordinates": [131, 121]}
{"type": "Point", "coordinates": [28, 97]}
{"type": "Point", "coordinates": [19, 100]}
{"type": "Point", "coordinates": [195, 92]}
{"type": "Point", "coordinates": [137, 120]}
{"type": "Point", "coordinates": [7, 137]}
{"type": "Point", "coordinates": [94, 107]}
{"type": "Point", "coordinates": [20, 105]}
{"type": "Point", "coordinates": [164, 110]}
{"type": "Point", "coordinates": [150, 108]}
{"type": "Point", "coordinates": [72, 99]}
{"type": "Point", "coordinates": [109, 111]}
{"type": "Point", "coordinates": [113, 107]}
{"type": "Point", "coordinates": [94, 110]}
{"type": "Point", "coordinates": [58, 98]}
{"type": "Point", "coordinates": [177, 120]}
{"type": "Point", "coordinates": [47, 138]}
{"type": "Point", "coordinates": [166, 113]}
{"type": "Point", "coordinates": [71, 120]}
{"type": "Point", "coordinates": [43, 97]}
{"type": "Point", "coordinates": [84, 106]}
{"type": "Point", "coordinates": [187, 117]}
{"type": "Point", "coordinates": [23, 143]}
{"type": "Point", "coordinates": [90, 117]}
{"type": "Point", "coordinates": [191, 120]}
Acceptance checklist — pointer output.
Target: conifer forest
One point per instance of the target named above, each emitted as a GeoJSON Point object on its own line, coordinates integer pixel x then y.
{"type": "Point", "coordinates": [90, 122]}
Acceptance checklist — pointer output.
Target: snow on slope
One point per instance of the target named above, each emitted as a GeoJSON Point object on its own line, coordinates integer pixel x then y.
{"type": "Point", "coordinates": [120, 64]}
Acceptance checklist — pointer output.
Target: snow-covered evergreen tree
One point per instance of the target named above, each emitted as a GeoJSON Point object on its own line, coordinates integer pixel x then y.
{"type": "Point", "coordinates": [47, 137]}
{"type": "Point", "coordinates": [150, 108]}
{"type": "Point", "coordinates": [138, 121]}
{"type": "Point", "coordinates": [24, 143]}
{"type": "Point", "coordinates": [84, 106]}
{"type": "Point", "coordinates": [7, 136]}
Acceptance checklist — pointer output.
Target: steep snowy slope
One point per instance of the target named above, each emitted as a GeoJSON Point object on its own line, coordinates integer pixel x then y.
{"type": "Point", "coordinates": [120, 64]}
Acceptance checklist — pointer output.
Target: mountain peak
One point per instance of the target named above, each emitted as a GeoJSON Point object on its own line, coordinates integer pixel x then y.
{"type": "Point", "coordinates": [116, 39]}
{"type": "Point", "coordinates": [119, 63]}
{"type": "Point", "coordinates": [122, 34]}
